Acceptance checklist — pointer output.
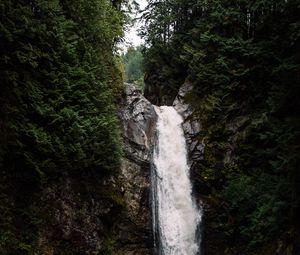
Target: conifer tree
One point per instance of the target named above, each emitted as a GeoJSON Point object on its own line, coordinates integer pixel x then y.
{"type": "Point", "coordinates": [242, 58]}
{"type": "Point", "coordinates": [58, 114]}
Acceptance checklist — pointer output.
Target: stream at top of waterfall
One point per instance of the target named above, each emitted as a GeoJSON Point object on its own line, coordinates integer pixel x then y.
{"type": "Point", "coordinates": [176, 218]}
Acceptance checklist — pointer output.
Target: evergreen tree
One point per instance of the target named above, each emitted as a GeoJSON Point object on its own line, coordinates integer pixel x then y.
{"type": "Point", "coordinates": [243, 61]}
{"type": "Point", "coordinates": [58, 115]}
{"type": "Point", "coordinates": [133, 62]}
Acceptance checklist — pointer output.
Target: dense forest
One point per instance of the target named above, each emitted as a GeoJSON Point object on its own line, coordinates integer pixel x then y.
{"type": "Point", "coordinates": [60, 82]}
{"type": "Point", "coordinates": [243, 60]}
{"type": "Point", "coordinates": [62, 77]}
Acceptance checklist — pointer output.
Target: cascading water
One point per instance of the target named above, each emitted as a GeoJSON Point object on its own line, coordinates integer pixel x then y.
{"type": "Point", "coordinates": [175, 216]}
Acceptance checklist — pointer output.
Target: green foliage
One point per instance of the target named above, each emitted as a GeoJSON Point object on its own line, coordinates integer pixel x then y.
{"type": "Point", "coordinates": [259, 205]}
{"type": "Point", "coordinates": [64, 109]}
{"type": "Point", "coordinates": [166, 24]}
{"type": "Point", "coordinates": [133, 62]}
{"type": "Point", "coordinates": [109, 246]}
{"type": "Point", "coordinates": [59, 83]}
{"type": "Point", "coordinates": [112, 194]}
{"type": "Point", "coordinates": [243, 61]}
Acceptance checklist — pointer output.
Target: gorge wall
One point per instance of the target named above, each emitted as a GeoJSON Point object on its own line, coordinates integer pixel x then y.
{"type": "Point", "coordinates": [86, 212]}
{"type": "Point", "coordinates": [138, 119]}
{"type": "Point", "coordinates": [90, 213]}
{"type": "Point", "coordinates": [209, 163]}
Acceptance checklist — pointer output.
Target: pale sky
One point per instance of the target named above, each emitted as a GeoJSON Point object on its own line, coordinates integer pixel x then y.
{"type": "Point", "coordinates": [131, 36]}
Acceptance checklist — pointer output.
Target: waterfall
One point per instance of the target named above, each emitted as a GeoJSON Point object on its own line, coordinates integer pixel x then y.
{"type": "Point", "coordinates": [175, 216]}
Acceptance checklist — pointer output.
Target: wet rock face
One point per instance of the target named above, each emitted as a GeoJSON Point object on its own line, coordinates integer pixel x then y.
{"type": "Point", "coordinates": [133, 231]}
{"type": "Point", "coordinates": [93, 214]}
{"type": "Point", "coordinates": [77, 215]}
{"type": "Point", "coordinates": [138, 119]}
{"type": "Point", "coordinates": [191, 127]}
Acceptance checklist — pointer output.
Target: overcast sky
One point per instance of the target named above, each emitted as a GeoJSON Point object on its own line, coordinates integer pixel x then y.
{"type": "Point", "coordinates": [131, 36]}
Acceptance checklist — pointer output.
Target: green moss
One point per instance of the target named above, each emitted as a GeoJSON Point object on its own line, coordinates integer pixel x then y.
{"type": "Point", "coordinates": [108, 246]}
{"type": "Point", "coordinates": [83, 211]}
{"type": "Point", "coordinates": [113, 195]}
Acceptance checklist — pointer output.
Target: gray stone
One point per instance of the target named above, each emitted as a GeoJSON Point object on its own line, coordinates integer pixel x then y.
{"type": "Point", "coordinates": [138, 119]}
{"type": "Point", "coordinates": [191, 127]}
{"type": "Point", "coordinates": [179, 104]}
{"type": "Point", "coordinates": [76, 217]}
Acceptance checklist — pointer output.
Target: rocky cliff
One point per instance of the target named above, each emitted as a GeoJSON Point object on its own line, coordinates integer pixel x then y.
{"type": "Point", "coordinates": [191, 126]}
{"type": "Point", "coordinates": [215, 240]}
{"type": "Point", "coordinates": [212, 240]}
{"type": "Point", "coordinates": [138, 120]}
{"type": "Point", "coordinates": [107, 215]}
{"type": "Point", "coordinates": [88, 212]}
